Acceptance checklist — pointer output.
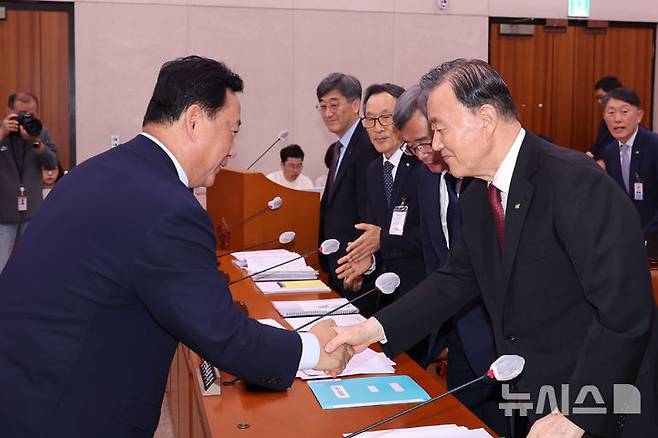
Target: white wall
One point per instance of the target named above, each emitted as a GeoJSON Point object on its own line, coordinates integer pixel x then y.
{"type": "Point", "coordinates": [282, 49]}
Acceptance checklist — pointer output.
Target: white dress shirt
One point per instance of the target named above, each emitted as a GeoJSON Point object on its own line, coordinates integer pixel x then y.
{"type": "Point", "coordinates": [503, 177]}
{"type": "Point", "coordinates": [310, 344]}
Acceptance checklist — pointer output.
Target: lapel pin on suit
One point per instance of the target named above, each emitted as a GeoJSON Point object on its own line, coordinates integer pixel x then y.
{"type": "Point", "coordinates": [407, 164]}
{"type": "Point", "coordinates": [517, 205]}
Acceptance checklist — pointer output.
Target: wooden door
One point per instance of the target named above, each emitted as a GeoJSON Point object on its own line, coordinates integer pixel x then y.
{"type": "Point", "coordinates": [36, 57]}
{"type": "Point", "coordinates": [552, 73]}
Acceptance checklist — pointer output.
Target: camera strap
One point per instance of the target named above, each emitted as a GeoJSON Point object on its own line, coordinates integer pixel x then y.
{"type": "Point", "coordinates": [20, 163]}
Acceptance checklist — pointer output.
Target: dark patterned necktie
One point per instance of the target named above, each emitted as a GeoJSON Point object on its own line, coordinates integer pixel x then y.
{"type": "Point", "coordinates": [388, 181]}
{"type": "Point", "coordinates": [496, 204]}
{"type": "Point", "coordinates": [333, 168]}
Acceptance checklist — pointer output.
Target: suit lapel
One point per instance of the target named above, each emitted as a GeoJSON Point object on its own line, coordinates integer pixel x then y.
{"type": "Point", "coordinates": [346, 161]}
{"type": "Point", "coordinates": [518, 203]}
{"type": "Point", "coordinates": [637, 154]}
{"type": "Point", "coordinates": [401, 175]}
{"type": "Point", "coordinates": [614, 165]}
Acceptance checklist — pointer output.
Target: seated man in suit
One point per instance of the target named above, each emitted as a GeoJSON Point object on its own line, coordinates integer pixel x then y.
{"type": "Point", "coordinates": [632, 158]}
{"type": "Point", "coordinates": [345, 199]}
{"type": "Point", "coordinates": [469, 336]}
{"type": "Point", "coordinates": [554, 249]}
{"type": "Point", "coordinates": [292, 164]}
{"type": "Point", "coordinates": [87, 343]}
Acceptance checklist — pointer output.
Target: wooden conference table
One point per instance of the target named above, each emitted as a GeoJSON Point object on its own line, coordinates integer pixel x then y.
{"type": "Point", "coordinates": [246, 412]}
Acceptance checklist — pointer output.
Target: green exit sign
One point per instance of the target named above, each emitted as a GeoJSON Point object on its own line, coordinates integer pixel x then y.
{"type": "Point", "coordinates": [579, 8]}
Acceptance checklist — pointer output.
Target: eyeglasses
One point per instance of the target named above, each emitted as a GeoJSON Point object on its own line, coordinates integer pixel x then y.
{"type": "Point", "coordinates": [384, 120]}
{"type": "Point", "coordinates": [332, 107]}
{"type": "Point", "coordinates": [416, 149]}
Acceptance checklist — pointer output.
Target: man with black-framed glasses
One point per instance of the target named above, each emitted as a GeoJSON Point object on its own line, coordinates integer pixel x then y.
{"type": "Point", "coordinates": [393, 228]}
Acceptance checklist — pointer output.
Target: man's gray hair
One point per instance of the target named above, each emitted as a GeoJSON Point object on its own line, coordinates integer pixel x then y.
{"type": "Point", "coordinates": [406, 106]}
{"type": "Point", "coordinates": [474, 82]}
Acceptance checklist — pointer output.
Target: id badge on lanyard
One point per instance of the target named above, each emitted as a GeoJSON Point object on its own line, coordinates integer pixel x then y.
{"type": "Point", "coordinates": [638, 188]}
{"type": "Point", "coordinates": [398, 219]}
{"type": "Point", "coordinates": [22, 200]}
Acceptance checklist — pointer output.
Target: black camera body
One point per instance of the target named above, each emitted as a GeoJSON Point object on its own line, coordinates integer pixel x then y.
{"type": "Point", "coordinates": [29, 122]}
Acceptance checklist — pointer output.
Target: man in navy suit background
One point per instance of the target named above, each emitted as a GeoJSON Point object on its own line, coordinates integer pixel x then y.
{"type": "Point", "coordinates": [344, 201]}
{"type": "Point", "coordinates": [632, 158]}
{"type": "Point", "coordinates": [87, 343]}
{"type": "Point", "coordinates": [468, 336]}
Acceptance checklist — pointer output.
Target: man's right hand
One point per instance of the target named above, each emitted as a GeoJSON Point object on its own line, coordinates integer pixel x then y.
{"type": "Point", "coordinates": [9, 124]}
{"type": "Point", "coordinates": [335, 362]}
{"type": "Point", "coordinates": [358, 336]}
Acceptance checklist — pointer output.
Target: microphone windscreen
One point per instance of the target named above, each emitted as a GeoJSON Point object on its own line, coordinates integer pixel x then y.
{"type": "Point", "coordinates": [286, 237]}
{"type": "Point", "coordinates": [329, 246]}
{"type": "Point", "coordinates": [507, 367]}
{"type": "Point", "coordinates": [275, 203]}
{"type": "Point", "coordinates": [283, 134]}
{"type": "Point", "coordinates": [387, 282]}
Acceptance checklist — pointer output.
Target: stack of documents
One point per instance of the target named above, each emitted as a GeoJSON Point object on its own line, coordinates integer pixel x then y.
{"type": "Point", "coordinates": [292, 286]}
{"type": "Point", "coordinates": [293, 309]}
{"type": "Point", "coordinates": [256, 261]}
{"type": "Point", "coordinates": [367, 391]}
{"type": "Point", "coordinates": [440, 431]}
{"type": "Point", "coordinates": [366, 362]}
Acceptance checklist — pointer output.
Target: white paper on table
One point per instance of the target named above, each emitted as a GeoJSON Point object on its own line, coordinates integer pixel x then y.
{"type": "Point", "coordinates": [366, 362]}
{"type": "Point", "coordinates": [271, 322]}
{"type": "Point", "coordinates": [341, 320]}
{"type": "Point", "coordinates": [438, 431]}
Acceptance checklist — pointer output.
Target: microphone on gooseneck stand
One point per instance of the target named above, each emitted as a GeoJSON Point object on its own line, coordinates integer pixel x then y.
{"type": "Point", "coordinates": [282, 136]}
{"type": "Point", "coordinates": [284, 239]}
{"type": "Point", "coordinates": [273, 204]}
{"type": "Point", "coordinates": [505, 368]}
{"type": "Point", "coordinates": [327, 247]}
{"type": "Point", "coordinates": [385, 283]}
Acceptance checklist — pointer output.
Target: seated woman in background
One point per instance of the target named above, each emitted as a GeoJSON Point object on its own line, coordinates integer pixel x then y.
{"type": "Point", "coordinates": [50, 177]}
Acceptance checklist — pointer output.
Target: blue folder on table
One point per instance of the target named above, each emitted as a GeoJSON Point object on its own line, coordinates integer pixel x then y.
{"type": "Point", "coordinates": [367, 391]}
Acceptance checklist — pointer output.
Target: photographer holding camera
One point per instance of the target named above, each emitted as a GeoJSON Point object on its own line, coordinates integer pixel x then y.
{"type": "Point", "coordinates": [25, 148]}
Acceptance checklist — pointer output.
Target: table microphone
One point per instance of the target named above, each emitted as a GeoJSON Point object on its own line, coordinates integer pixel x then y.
{"type": "Point", "coordinates": [282, 136]}
{"type": "Point", "coordinates": [284, 238]}
{"type": "Point", "coordinates": [385, 283]}
{"type": "Point", "coordinates": [505, 368]}
{"type": "Point", "coordinates": [327, 247]}
{"type": "Point", "coordinates": [273, 204]}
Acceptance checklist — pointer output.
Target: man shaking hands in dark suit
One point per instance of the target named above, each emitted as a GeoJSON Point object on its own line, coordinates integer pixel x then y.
{"type": "Point", "coordinates": [554, 248]}
{"type": "Point", "coordinates": [86, 345]}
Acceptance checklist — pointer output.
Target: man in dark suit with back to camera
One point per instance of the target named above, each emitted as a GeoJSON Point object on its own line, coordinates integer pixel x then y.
{"type": "Point", "coordinates": [345, 200]}
{"type": "Point", "coordinates": [553, 247]}
{"type": "Point", "coordinates": [631, 158]}
{"type": "Point", "coordinates": [87, 343]}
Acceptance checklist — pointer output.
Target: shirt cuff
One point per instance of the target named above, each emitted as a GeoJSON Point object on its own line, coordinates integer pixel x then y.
{"type": "Point", "coordinates": [310, 351]}
{"type": "Point", "coordinates": [372, 267]}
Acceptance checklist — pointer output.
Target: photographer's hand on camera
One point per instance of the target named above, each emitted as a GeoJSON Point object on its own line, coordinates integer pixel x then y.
{"type": "Point", "coordinates": [9, 125]}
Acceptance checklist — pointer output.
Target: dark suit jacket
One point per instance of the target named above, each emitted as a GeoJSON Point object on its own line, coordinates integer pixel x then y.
{"type": "Point", "coordinates": [603, 139]}
{"type": "Point", "coordinates": [644, 165]}
{"type": "Point", "coordinates": [400, 254]}
{"type": "Point", "coordinates": [348, 203]}
{"type": "Point", "coordinates": [472, 322]}
{"type": "Point", "coordinates": [571, 293]}
{"type": "Point", "coordinates": [90, 315]}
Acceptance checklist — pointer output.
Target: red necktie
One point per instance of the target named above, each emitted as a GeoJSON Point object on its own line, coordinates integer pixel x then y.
{"type": "Point", "coordinates": [498, 213]}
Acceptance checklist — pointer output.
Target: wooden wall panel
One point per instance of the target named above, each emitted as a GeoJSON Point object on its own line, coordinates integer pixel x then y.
{"type": "Point", "coordinates": [35, 58]}
{"type": "Point", "coordinates": [551, 76]}
{"type": "Point", "coordinates": [54, 60]}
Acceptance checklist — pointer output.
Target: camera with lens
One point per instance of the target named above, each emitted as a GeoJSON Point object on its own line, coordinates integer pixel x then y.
{"type": "Point", "coordinates": [29, 122]}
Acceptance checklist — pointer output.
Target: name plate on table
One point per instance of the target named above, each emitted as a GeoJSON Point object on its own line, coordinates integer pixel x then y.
{"type": "Point", "coordinates": [208, 377]}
